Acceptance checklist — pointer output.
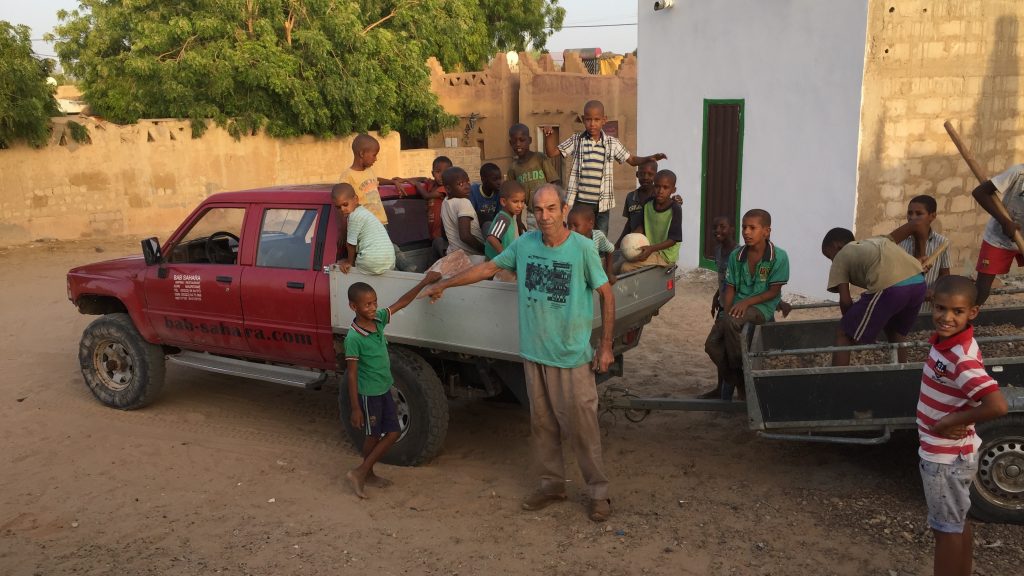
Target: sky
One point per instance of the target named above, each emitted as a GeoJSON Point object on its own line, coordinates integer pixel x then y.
{"type": "Point", "coordinates": [41, 17]}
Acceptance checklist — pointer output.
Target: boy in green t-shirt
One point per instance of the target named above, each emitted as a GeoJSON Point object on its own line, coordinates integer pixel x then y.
{"type": "Point", "coordinates": [662, 223]}
{"type": "Point", "coordinates": [529, 168]}
{"type": "Point", "coordinates": [505, 227]}
{"type": "Point", "coordinates": [753, 288]}
{"type": "Point", "coordinates": [368, 372]}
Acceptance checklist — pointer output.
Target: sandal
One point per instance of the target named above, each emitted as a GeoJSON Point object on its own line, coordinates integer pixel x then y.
{"type": "Point", "coordinates": [600, 510]}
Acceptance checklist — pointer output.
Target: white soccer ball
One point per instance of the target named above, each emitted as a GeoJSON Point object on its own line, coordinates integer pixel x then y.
{"type": "Point", "coordinates": [632, 244]}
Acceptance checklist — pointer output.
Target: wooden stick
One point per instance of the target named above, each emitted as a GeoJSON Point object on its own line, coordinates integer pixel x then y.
{"type": "Point", "coordinates": [930, 260]}
{"type": "Point", "coordinates": [979, 173]}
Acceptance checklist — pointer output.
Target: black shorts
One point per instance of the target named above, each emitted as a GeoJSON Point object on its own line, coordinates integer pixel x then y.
{"type": "Point", "coordinates": [380, 415]}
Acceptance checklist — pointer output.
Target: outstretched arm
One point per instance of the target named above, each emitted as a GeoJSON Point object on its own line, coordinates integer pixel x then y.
{"type": "Point", "coordinates": [408, 297]}
{"type": "Point", "coordinates": [481, 271]}
{"type": "Point", "coordinates": [638, 160]}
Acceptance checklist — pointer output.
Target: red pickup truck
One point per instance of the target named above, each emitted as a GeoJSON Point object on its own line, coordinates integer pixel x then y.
{"type": "Point", "coordinates": [242, 287]}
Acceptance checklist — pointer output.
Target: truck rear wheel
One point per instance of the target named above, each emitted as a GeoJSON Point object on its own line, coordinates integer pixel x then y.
{"type": "Point", "coordinates": [422, 409]}
{"type": "Point", "coordinates": [997, 494]}
{"type": "Point", "coordinates": [121, 369]}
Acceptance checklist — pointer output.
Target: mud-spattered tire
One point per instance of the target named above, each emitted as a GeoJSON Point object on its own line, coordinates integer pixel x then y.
{"type": "Point", "coordinates": [422, 409]}
{"type": "Point", "coordinates": [121, 369]}
{"type": "Point", "coordinates": [997, 494]}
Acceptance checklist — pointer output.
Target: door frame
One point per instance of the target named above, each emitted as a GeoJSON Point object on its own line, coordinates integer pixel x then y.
{"type": "Point", "coordinates": [705, 262]}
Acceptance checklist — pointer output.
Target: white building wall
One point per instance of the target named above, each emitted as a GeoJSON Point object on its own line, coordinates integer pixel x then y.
{"type": "Point", "coordinates": [798, 64]}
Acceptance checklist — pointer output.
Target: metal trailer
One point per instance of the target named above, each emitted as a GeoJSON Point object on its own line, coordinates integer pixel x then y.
{"type": "Point", "coordinates": [862, 404]}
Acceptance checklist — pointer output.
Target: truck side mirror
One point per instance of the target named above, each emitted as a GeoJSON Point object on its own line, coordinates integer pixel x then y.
{"type": "Point", "coordinates": [151, 251]}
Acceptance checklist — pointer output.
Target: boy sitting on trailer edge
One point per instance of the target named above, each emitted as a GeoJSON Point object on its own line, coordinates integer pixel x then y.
{"type": "Point", "coordinates": [754, 279]}
{"type": "Point", "coordinates": [956, 393]}
{"type": "Point", "coordinates": [893, 280]}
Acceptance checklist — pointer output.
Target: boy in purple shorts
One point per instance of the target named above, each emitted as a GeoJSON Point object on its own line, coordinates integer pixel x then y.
{"type": "Point", "coordinates": [956, 393]}
{"type": "Point", "coordinates": [893, 280]}
{"type": "Point", "coordinates": [368, 371]}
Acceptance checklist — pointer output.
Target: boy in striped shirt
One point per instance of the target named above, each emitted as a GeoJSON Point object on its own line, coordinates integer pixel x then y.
{"type": "Point", "coordinates": [368, 246]}
{"type": "Point", "coordinates": [592, 151]}
{"type": "Point", "coordinates": [956, 393]}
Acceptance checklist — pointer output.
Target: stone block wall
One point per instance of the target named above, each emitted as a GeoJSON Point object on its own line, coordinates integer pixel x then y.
{"type": "Point", "coordinates": [927, 61]}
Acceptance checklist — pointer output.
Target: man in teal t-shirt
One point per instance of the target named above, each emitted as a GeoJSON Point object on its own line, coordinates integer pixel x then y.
{"type": "Point", "coordinates": [557, 272]}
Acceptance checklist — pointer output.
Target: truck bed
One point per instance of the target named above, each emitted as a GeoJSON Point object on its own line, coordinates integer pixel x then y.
{"type": "Point", "coordinates": [864, 397]}
{"type": "Point", "coordinates": [483, 319]}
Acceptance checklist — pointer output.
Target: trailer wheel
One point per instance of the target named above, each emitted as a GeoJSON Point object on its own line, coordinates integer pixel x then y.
{"type": "Point", "coordinates": [121, 369]}
{"type": "Point", "coordinates": [997, 494]}
{"type": "Point", "coordinates": [422, 409]}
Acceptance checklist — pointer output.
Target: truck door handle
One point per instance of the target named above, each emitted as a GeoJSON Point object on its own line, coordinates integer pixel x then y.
{"type": "Point", "coordinates": [299, 285]}
{"type": "Point", "coordinates": [225, 279]}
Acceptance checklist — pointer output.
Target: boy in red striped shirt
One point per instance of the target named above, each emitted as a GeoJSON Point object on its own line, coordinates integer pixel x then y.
{"type": "Point", "coordinates": [956, 393]}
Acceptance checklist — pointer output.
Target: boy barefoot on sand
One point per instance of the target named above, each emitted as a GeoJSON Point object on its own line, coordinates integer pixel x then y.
{"type": "Point", "coordinates": [368, 372]}
{"type": "Point", "coordinates": [956, 393]}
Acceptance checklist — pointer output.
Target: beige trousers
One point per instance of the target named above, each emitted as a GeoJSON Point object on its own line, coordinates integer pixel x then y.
{"type": "Point", "coordinates": [563, 404]}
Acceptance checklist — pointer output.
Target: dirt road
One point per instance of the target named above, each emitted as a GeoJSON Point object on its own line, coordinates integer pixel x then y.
{"type": "Point", "coordinates": [228, 476]}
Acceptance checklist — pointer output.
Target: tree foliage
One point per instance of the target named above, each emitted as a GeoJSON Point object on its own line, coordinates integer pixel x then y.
{"type": "Point", "coordinates": [521, 24]}
{"type": "Point", "coordinates": [26, 101]}
{"type": "Point", "coordinates": [323, 67]}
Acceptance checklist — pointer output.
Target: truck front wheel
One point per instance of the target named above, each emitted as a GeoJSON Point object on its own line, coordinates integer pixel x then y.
{"type": "Point", "coordinates": [121, 369]}
{"type": "Point", "coordinates": [997, 494]}
{"type": "Point", "coordinates": [422, 409]}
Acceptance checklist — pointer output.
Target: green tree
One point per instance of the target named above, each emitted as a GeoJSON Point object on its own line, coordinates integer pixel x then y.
{"type": "Point", "coordinates": [323, 67]}
{"type": "Point", "coordinates": [26, 101]}
{"type": "Point", "coordinates": [522, 24]}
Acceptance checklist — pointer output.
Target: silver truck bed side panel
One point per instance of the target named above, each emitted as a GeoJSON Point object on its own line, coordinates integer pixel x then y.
{"type": "Point", "coordinates": [483, 319]}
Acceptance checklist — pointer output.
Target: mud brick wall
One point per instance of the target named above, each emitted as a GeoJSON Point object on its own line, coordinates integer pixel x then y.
{"type": "Point", "coordinates": [925, 62]}
{"type": "Point", "coordinates": [143, 179]}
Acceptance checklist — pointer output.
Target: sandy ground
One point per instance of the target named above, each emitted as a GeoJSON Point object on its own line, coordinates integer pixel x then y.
{"type": "Point", "coordinates": [223, 475]}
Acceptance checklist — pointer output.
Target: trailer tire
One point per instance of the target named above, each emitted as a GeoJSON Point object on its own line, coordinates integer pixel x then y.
{"type": "Point", "coordinates": [422, 409]}
{"type": "Point", "coordinates": [997, 494]}
{"type": "Point", "coordinates": [121, 369]}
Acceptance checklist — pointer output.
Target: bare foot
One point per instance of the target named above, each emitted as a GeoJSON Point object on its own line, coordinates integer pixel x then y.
{"type": "Point", "coordinates": [356, 482]}
{"type": "Point", "coordinates": [376, 481]}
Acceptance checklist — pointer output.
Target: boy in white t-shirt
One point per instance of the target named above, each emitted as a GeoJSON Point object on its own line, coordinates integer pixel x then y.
{"type": "Point", "coordinates": [461, 223]}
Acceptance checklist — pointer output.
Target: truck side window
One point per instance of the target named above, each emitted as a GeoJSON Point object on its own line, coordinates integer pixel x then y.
{"type": "Point", "coordinates": [286, 238]}
{"type": "Point", "coordinates": [213, 239]}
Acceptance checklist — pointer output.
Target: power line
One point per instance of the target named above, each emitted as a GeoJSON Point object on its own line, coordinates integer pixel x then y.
{"type": "Point", "coordinates": [600, 25]}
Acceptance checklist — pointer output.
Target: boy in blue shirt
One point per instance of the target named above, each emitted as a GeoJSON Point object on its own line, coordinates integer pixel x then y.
{"type": "Point", "coordinates": [753, 288]}
{"type": "Point", "coordinates": [368, 373]}
{"type": "Point", "coordinates": [484, 195]}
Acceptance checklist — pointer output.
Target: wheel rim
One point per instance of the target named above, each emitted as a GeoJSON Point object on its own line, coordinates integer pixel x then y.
{"type": "Point", "coordinates": [1001, 472]}
{"type": "Point", "coordinates": [114, 365]}
{"type": "Point", "coordinates": [402, 411]}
